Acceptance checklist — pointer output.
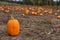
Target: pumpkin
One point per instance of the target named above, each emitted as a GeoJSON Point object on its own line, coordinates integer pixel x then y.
{"type": "Point", "coordinates": [34, 13]}
{"type": "Point", "coordinates": [50, 12]}
{"type": "Point", "coordinates": [46, 11]}
{"type": "Point", "coordinates": [30, 8]}
{"type": "Point", "coordinates": [1, 8]}
{"type": "Point", "coordinates": [27, 12]}
{"type": "Point", "coordinates": [39, 11]}
{"type": "Point", "coordinates": [23, 14]}
{"type": "Point", "coordinates": [58, 16]}
{"type": "Point", "coordinates": [13, 27]}
{"type": "Point", "coordinates": [6, 11]}
{"type": "Point", "coordinates": [56, 13]}
{"type": "Point", "coordinates": [41, 14]}
{"type": "Point", "coordinates": [58, 10]}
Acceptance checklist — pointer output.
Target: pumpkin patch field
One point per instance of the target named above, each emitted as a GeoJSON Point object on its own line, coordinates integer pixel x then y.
{"type": "Point", "coordinates": [28, 22]}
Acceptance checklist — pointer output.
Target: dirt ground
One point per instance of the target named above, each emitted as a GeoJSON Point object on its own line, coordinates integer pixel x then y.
{"type": "Point", "coordinates": [32, 27]}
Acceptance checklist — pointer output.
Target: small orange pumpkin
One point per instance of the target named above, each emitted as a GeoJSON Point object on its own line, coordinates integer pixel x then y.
{"type": "Point", "coordinates": [34, 13]}
{"type": "Point", "coordinates": [2, 9]}
{"type": "Point", "coordinates": [50, 12]}
{"type": "Point", "coordinates": [39, 11]}
{"type": "Point", "coordinates": [6, 11]}
{"type": "Point", "coordinates": [23, 14]}
{"type": "Point", "coordinates": [46, 11]}
{"type": "Point", "coordinates": [27, 12]}
{"type": "Point", "coordinates": [13, 27]}
{"type": "Point", "coordinates": [58, 16]}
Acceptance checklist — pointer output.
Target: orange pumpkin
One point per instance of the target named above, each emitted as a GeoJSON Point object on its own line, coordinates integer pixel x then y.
{"type": "Point", "coordinates": [6, 11]}
{"type": "Point", "coordinates": [50, 12]}
{"type": "Point", "coordinates": [39, 11]}
{"type": "Point", "coordinates": [2, 9]}
{"type": "Point", "coordinates": [46, 11]}
{"type": "Point", "coordinates": [27, 12]}
{"type": "Point", "coordinates": [23, 14]}
{"type": "Point", "coordinates": [34, 13]}
{"type": "Point", "coordinates": [58, 16]}
{"type": "Point", "coordinates": [13, 27]}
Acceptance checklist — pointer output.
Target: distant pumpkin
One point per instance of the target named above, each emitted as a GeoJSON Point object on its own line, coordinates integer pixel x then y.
{"type": "Point", "coordinates": [13, 27]}
{"type": "Point", "coordinates": [6, 11]}
{"type": "Point", "coordinates": [27, 12]}
{"type": "Point", "coordinates": [23, 14]}
{"type": "Point", "coordinates": [58, 10]}
{"type": "Point", "coordinates": [46, 11]}
{"type": "Point", "coordinates": [41, 14]}
{"type": "Point", "coordinates": [56, 13]}
{"type": "Point", "coordinates": [58, 16]}
{"type": "Point", "coordinates": [34, 13]}
{"type": "Point", "coordinates": [39, 11]}
{"type": "Point", "coordinates": [50, 12]}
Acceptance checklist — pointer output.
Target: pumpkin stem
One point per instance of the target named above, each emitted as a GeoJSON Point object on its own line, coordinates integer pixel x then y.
{"type": "Point", "coordinates": [12, 17]}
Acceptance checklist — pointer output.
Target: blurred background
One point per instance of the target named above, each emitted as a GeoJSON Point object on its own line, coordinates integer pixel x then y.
{"type": "Point", "coordinates": [33, 2]}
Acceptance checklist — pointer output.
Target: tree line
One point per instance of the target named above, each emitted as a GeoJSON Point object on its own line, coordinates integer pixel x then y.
{"type": "Point", "coordinates": [34, 2]}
